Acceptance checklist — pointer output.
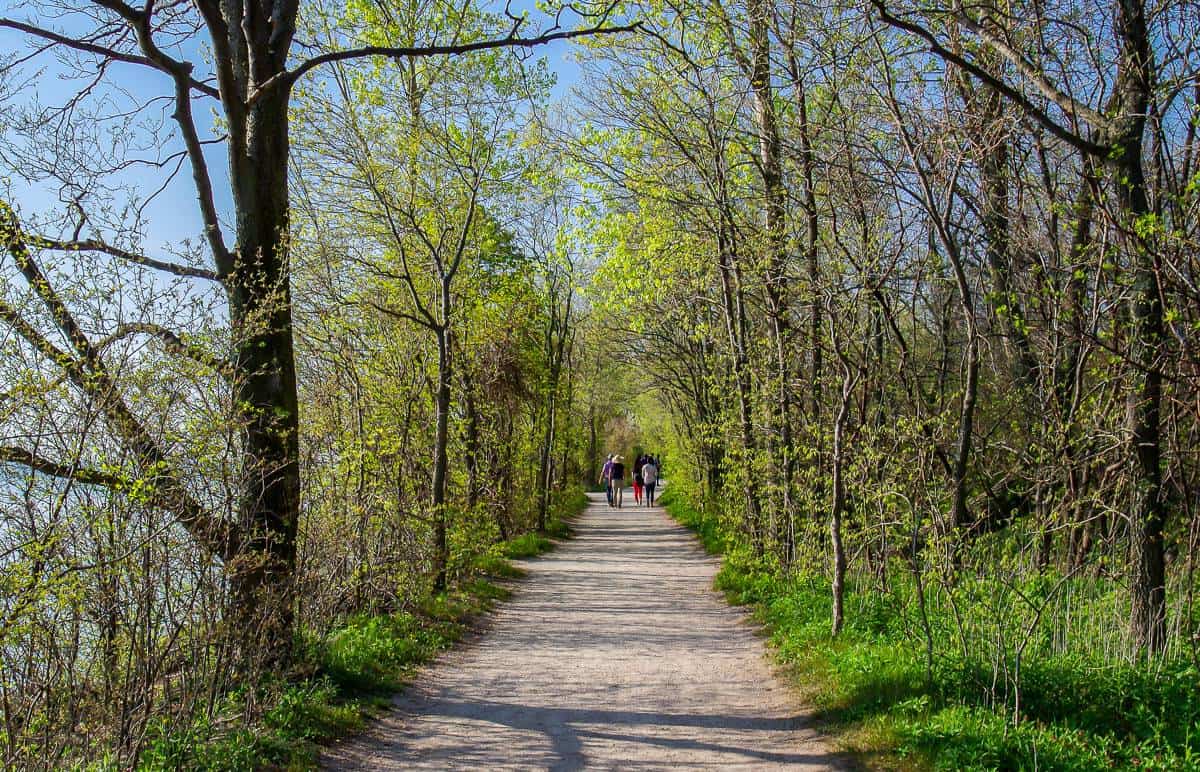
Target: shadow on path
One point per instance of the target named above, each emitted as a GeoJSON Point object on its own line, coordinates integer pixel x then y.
{"type": "Point", "coordinates": [615, 653]}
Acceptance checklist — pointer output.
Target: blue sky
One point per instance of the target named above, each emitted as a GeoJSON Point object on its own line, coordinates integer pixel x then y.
{"type": "Point", "coordinates": [173, 215]}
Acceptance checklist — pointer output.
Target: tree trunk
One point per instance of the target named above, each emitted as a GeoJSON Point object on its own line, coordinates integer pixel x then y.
{"type": "Point", "coordinates": [260, 310]}
{"type": "Point", "coordinates": [989, 133]}
{"type": "Point", "coordinates": [544, 470]}
{"type": "Point", "coordinates": [1148, 512]}
{"type": "Point", "coordinates": [440, 454]}
{"type": "Point", "coordinates": [555, 338]}
{"type": "Point", "coordinates": [735, 324]}
{"type": "Point", "coordinates": [811, 235]}
{"type": "Point", "coordinates": [1005, 303]}
{"type": "Point", "coordinates": [838, 504]}
{"type": "Point", "coordinates": [471, 451]}
{"type": "Point", "coordinates": [568, 443]}
{"type": "Point", "coordinates": [593, 445]}
{"type": "Point", "coordinates": [775, 285]}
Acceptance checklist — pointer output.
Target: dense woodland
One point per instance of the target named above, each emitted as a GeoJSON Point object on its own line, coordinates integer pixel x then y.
{"type": "Point", "coordinates": [906, 292]}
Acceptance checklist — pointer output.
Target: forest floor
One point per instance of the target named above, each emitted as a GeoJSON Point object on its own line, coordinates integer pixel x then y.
{"type": "Point", "coordinates": [614, 653]}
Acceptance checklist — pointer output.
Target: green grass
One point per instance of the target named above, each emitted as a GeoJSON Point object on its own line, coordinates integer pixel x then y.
{"type": "Point", "coordinates": [871, 691]}
{"type": "Point", "coordinates": [706, 524]}
{"type": "Point", "coordinates": [527, 546]}
{"type": "Point", "coordinates": [351, 673]}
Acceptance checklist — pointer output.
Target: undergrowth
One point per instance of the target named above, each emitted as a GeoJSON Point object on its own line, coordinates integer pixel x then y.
{"type": "Point", "coordinates": [349, 673]}
{"type": "Point", "coordinates": [874, 687]}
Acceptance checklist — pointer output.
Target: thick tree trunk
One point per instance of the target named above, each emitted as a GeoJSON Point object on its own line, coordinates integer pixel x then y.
{"type": "Point", "coordinates": [260, 310]}
{"type": "Point", "coordinates": [1131, 95]}
{"type": "Point", "coordinates": [1149, 510]}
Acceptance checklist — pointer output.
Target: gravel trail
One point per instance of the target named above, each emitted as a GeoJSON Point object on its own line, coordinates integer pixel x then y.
{"type": "Point", "coordinates": [614, 653]}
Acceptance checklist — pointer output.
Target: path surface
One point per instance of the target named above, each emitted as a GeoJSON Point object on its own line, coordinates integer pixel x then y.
{"type": "Point", "coordinates": [615, 653]}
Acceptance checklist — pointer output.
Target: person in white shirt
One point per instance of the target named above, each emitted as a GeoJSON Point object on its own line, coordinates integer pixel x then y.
{"type": "Point", "coordinates": [649, 480]}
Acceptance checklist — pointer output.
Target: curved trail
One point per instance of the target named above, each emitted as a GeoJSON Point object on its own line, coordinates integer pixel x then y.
{"type": "Point", "coordinates": [615, 653]}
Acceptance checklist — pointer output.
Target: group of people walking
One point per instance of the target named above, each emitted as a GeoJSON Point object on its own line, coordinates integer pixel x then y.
{"type": "Point", "coordinates": [646, 472]}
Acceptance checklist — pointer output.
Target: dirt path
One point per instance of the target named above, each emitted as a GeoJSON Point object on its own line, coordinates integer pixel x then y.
{"type": "Point", "coordinates": [615, 653]}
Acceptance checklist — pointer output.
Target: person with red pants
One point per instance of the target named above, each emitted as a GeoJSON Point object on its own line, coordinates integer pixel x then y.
{"type": "Point", "coordinates": [637, 479]}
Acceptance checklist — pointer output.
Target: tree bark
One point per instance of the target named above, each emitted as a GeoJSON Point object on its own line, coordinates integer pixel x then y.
{"type": "Point", "coordinates": [261, 316]}
{"type": "Point", "coordinates": [838, 505]}
{"type": "Point", "coordinates": [775, 284]}
{"type": "Point", "coordinates": [1148, 511]}
{"type": "Point", "coordinates": [471, 449]}
{"type": "Point", "coordinates": [441, 460]}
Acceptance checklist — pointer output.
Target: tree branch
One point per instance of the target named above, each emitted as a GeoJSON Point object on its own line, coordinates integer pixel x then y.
{"type": "Point", "coordinates": [1066, 135]}
{"type": "Point", "coordinates": [94, 245]}
{"type": "Point", "coordinates": [1065, 102]}
{"type": "Point", "coordinates": [289, 77]}
{"type": "Point", "coordinates": [201, 178]}
{"type": "Point", "coordinates": [171, 342]}
{"type": "Point", "coordinates": [82, 474]}
{"type": "Point", "coordinates": [386, 311]}
{"type": "Point", "coordinates": [99, 50]}
{"type": "Point", "coordinates": [90, 375]}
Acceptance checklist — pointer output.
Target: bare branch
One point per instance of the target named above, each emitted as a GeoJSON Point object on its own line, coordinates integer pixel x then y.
{"type": "Point", "coordinates": [108, 53]}
{"type": "Point", "coordinates": [95, 245]}
{"type": "Point", "coordinates": [388, 311]}
{"type": "Point", "coordinates": [510, 41]}
{"type": "Point", "coordinates": [1066, 135]}
{"type": "Point", "coordinates": [201, 177]}
{"type": "Point", "coordinates": [81, 474]}
{"type": "Point", "coordinates": [171, 342]}
{"type": "Point", "coordinates": [1065, 102]}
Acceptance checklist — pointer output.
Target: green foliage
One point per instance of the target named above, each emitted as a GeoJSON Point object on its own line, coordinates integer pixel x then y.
{"type": "Point", "coordinates": [1075, 711]}
{"type": "Point", "coordinates": [566, 505]}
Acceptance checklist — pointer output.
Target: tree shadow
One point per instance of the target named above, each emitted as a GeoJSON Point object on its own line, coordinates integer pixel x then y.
{"type": "Point", "coordinates": [743, 739]}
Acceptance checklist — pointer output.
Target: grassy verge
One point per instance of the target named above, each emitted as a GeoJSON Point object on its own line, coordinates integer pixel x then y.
{"type": "Point", "coordinates": [874, 695]}
{"type": "Point", "coordinates": [354, 671]}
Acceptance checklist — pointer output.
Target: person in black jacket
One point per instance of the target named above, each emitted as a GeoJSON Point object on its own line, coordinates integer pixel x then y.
{"type": "Point", "coordinates": [618, 480]}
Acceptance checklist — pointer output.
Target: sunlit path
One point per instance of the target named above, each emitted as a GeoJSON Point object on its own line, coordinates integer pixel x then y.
{"type": "Point", "coordinates": [615, 653]}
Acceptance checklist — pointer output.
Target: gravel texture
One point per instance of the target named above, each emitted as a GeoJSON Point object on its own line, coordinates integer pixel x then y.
{"type": "Point", "coordinates": [615, 653]}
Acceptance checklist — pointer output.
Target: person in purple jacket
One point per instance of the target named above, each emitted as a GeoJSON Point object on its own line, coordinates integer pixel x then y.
{"type": "Point", "coordinates": [606, 478]}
